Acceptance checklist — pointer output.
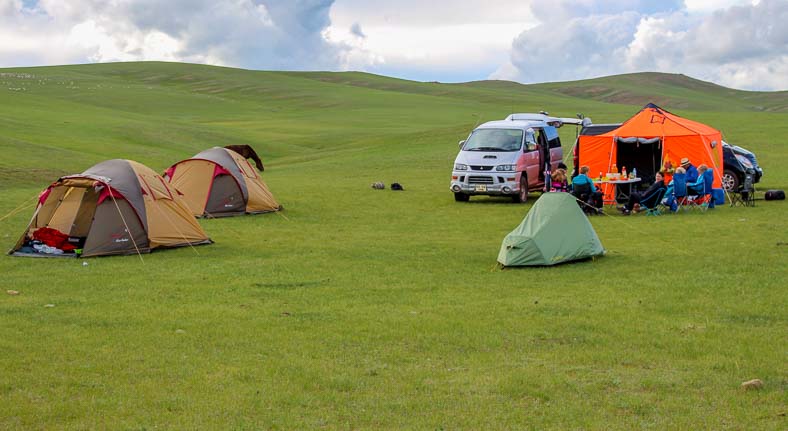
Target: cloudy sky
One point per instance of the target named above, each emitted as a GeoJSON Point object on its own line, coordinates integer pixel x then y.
{"type": "Point", "coordinates": [736, 43]}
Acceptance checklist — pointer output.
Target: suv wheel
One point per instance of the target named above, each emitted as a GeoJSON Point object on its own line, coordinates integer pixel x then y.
{"type": "Point", "coordinates": [461, 197]}
{"type": "Point", "coordinates": [522, 195]}
{"type": "Point", "coordinates": [730, 181]}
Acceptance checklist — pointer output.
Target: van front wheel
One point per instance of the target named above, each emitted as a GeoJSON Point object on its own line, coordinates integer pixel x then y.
{"type": "Point", "coordinates": [522, 195]}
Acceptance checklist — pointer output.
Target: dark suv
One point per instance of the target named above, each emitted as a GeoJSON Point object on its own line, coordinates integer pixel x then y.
{"type": "Point", "coordinates": [736, 163]}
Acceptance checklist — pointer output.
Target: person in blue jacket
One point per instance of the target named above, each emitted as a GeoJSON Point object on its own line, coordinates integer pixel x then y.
{"type": "Point", "coordinates": [692, 171]}
{"type": "Point", "coordinates": [595, 197]}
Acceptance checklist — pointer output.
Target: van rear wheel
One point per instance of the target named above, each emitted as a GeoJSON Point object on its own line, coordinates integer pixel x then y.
{"type": "Point", "coordinates": [522, 195]}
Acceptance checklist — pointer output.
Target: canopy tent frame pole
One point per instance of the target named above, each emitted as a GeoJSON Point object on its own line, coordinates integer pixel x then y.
{"type": "Point", "coordinates": [609, 164]}
{"type": "Point", "coordinates": [717, 169]}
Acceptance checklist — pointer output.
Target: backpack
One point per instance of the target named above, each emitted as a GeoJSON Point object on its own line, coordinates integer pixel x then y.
{"type": "Point", "coordinates": [774, 195]}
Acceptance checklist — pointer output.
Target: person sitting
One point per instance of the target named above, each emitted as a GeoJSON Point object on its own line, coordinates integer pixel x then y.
{"type": "Point", "coordinates": [696, 187]}
{"type": "Point", "coordinates": [669, 191]}
{"type": "Point", "coordinates": [585, 190]}
{"type": "Point", "coordinates": [636, 198]}
{"type": "Point", "coordinates": [692, 171]}
{"type": "Point", "coordinates": [559, 183]}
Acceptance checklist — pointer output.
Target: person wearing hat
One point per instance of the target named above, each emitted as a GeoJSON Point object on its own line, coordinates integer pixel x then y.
{"type": "Point", "coordinates": [692, 171]}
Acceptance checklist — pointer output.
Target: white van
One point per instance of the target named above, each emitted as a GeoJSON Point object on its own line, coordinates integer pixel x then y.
{"type": "Point", "coordinates": [508, 157]}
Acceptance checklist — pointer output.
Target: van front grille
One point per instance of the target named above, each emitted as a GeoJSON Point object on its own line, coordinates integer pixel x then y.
{"type": "Point", "coordinates": [480, 180]}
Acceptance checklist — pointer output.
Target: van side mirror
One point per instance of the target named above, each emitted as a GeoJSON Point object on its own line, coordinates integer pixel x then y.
{"type": "Point", "coordinates": [461, 143]}
{"type": "Point", "coordinates": [529, 146]}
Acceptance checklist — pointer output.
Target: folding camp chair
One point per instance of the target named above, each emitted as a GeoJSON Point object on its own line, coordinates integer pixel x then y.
{"type": "Point", "coordinates": [582, 192]}
{"type": "Point", "coordinates": [745, 194]}
{"type": "Point", "coordinates": [653, 202]}
{"type": "Point", "coordinates": [680, 197]}
{"type": "Point", "coordinates": [705, 199]}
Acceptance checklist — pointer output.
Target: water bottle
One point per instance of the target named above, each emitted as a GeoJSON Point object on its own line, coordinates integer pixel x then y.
{"type": "Point", "coordinates": [635, 172]}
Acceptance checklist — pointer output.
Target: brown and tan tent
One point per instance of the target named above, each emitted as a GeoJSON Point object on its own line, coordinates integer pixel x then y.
{"type": "Point", "coordinates": [115, 207]}
{"type": "Point", "coordinates": [219, 182]}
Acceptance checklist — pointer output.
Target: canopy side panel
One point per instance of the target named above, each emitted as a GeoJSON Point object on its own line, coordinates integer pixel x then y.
{"type": "Point", "coordinates": [599, 154]}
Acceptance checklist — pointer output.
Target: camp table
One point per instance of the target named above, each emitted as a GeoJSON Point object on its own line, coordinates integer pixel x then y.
{"type": "Point", "coordinates": [623, 192]}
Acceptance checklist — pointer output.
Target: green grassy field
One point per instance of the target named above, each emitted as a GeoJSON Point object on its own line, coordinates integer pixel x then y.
{"type": "Point", "coordinates": [364, 309]}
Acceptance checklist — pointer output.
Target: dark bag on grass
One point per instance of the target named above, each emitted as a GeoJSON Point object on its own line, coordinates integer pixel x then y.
{"type": "Point", "coordinates": [774, 195]}
{"type": "Point", "coordinates": [396, 186]}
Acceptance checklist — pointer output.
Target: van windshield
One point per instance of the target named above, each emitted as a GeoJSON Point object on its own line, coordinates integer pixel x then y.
{"type": "Point", "coordinates": [494, 140]}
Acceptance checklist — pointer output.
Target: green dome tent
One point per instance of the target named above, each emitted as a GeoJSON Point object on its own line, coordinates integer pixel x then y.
{"type": "Point", "coordinates": [554, 231]}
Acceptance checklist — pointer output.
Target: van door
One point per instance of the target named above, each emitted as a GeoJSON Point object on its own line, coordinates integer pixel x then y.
{"type": "Point", "coordinates": [529, 161]}
{"type": "Point", "coordinates": [554, 145]}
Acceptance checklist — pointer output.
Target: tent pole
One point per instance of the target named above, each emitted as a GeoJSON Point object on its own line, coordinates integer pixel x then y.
{"type": "Point", "coordinates": [716, 168]}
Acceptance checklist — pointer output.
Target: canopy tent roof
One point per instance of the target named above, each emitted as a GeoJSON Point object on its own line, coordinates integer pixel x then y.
{"type": "Point", "coordinates": [653, 121]}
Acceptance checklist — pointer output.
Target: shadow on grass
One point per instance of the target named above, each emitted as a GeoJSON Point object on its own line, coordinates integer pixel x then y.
{"type": "Point", "coordinates": [291, 285]}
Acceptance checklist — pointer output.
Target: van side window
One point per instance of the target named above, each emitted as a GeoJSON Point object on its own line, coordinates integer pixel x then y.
{"type": "Point", "coordinates": [551, 135]}
{"type": "Point", "coordinates": [530, 141]}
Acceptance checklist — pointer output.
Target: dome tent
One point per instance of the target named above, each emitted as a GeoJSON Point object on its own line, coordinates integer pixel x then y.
{"type": "Point", "coordinates": [115, 207]}
{"type": "Point", "coordinates": [219, 182]}
{"type": "Point", "coordinates": [554, 231]}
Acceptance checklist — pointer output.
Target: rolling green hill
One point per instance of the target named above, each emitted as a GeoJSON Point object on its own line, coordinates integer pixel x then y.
{"type": "Point", "coordinates": [364, 309]}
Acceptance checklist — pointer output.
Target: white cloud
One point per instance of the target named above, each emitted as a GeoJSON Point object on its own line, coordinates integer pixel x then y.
{"type": "Point", "coordinates": [261, 34]}
{"type": "Point", "coordinates": [743, 46]}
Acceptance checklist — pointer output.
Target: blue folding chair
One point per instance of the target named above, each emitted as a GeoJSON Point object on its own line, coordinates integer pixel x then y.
{"type": "Point", "coordinates": [680, 198]}
{"type": "Point", "coordinates": [706, 198]}
{"type": "Point", "coordinates": [652, 202]}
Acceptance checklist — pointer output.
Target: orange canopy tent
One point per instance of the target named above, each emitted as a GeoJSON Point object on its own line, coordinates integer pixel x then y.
{"type": "Point", "coordinates": [646, 141]}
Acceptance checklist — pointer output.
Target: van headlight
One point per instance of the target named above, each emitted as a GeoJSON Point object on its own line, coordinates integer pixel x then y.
{"type": "Point", "coordinates": [460, 167]}
{"type": "Point", "coordinates": [505, 168]}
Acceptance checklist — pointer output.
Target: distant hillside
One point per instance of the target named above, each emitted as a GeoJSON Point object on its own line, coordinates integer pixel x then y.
{"type": "Point", "coordinates": [158, 113]}
{"type": "Point", "coordinates": [670, 90]}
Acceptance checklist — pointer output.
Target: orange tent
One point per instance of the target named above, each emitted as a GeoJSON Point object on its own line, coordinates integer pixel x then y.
{"type": "Point", "coordinates": [646, 141]}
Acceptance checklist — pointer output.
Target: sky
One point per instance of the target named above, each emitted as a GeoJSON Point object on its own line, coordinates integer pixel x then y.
{"type": "Point", "coordinates": [736, 43]}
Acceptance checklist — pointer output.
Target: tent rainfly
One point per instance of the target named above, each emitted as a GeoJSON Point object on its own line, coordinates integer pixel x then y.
{"type": "Point", "coordinates": [554, 231]}
{"type": "Point", "coordinates": [646, 141]}
{"type": "Point", "coordinates": [219, 182]}
{"type": "Point", "coordinates": [115, 207]}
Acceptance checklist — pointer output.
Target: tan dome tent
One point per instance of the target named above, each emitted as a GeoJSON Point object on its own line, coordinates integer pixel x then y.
{"type": "Point", "coordinates": [115, 207]}
{"type": "Point", "coordinates": [219, 182]}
